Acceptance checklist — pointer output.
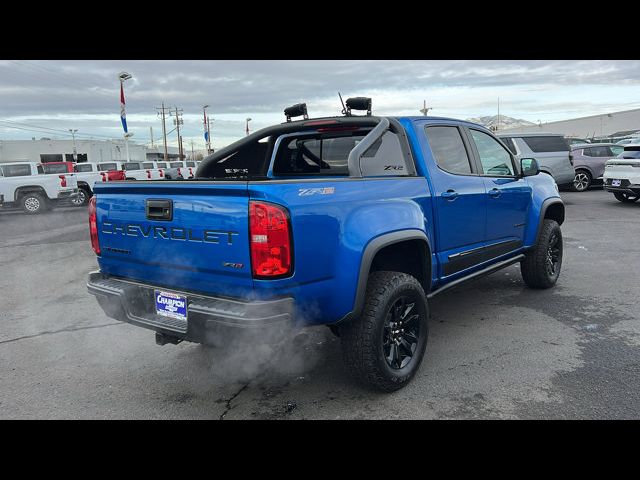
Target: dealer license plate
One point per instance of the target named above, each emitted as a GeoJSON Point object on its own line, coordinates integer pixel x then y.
{"type": "Point", "coordinates": [615, 183]}
{"type": "Point", "coordinates": [169, 304]}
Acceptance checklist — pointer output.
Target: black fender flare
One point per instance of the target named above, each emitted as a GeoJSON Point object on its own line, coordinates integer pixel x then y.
{"type": "Point", "coordinates": [369, 253]}
{"type": "Point", "coordinates": [543, 212]}
{"type": "Point", "coordinates": [26, 189]}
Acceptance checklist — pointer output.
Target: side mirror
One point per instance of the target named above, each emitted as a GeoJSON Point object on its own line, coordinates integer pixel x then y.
{"type": "Point", "coordinates": [529, 167]}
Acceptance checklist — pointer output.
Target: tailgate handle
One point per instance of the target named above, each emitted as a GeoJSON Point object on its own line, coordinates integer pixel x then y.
{"type": "Point", "coordinates": [159, 210]}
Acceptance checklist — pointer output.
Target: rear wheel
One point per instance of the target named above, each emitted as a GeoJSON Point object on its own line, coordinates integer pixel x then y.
{"type": "Point", "coordinates": [626, 197]}
{"type": "Point", "coordinates": [82, 198]}
{"type": "Point", "coordinates": [384, 347]}
{"type": "Point", "coordinates": [582, 181]}
{"type": "Point", "coordinates": [33, 203]}
{"type": "Point", "coordinates": [541, 266]}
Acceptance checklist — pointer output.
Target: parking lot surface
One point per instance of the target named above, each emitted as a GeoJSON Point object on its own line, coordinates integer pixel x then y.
{"type": "Point", "coordinates": [497, 349]}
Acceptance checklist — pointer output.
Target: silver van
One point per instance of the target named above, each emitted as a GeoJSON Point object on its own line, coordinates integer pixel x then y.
{"type": "Point", "coordinates": [551, 150]}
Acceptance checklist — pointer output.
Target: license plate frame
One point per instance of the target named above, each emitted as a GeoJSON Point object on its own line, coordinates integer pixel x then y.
{"type": "Point", "coordinates": [171, 305]}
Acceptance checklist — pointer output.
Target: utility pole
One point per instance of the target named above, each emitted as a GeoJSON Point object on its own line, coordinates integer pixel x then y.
{"type": "Point", "coordinates": [151, 132]}
{"type": "Point", "coordinates": [498, 125]}
{"type": "Point", "coordinates": [193, 155]}
{"type": "Point", "coordinates": [247, 129]}
{"type": "Point", "coordinates": [164, 130]}
{"type": "Point", "coordinates": [75, 152]}
{"type": "Point", "coordinates": [424, 110]}
{"type": "Point", "coordinates": [177, 122]}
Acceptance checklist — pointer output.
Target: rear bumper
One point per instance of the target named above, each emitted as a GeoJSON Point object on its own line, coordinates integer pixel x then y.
{"type": "Point", "coordinates": [209, 317]}
{"type": "Point", "coordinates": [625, 187]}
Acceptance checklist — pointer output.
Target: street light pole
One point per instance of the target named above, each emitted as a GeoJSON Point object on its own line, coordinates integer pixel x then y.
{"type": "Point", "coordinates": [75, 151]}
{"type": "Point", "coordinates": [123, 76]}
{"type": "Point", "coordinates": [205, 121]}
{"type": "Point", "coordinates": [247, 130]}
{"type": "Point", "coordinates": [126, 145]}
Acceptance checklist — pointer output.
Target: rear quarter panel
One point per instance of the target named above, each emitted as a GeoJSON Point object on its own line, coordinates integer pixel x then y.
{"type": "Point", "coordinates": [331, 231]}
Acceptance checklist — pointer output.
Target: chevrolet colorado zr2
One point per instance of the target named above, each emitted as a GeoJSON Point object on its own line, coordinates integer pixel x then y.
{"type": "Point", "coordinates": [353, 222]}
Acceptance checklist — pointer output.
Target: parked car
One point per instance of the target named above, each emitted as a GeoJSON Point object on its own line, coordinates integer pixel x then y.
{"type": "Point", "coordinates": [180, 170]}
{"type": "Point", "coordinates": [24, 184]}
{"type": "Point", "coordinates": [589, 160]}
{"type": "Point", "coordinates": [628, 141]}
{"type": "Point", "coordinates": [550, 150]}
{"type": "Point", "coordinates": [112, 170]}
{"type": "Point", "coordinates": [577, 140]}
{"type": "Point", "coordinates": [278, 230]}
{"type": "Point", "coordinates": [622, 174]}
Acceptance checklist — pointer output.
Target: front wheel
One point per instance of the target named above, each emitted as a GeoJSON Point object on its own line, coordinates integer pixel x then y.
{"type": "Point", "coordinates": [582, 181]}
{"type": "Point", "coordinates": [384, 347]}
{"type": "Point", "coordinates": [541, 266]}
{"type": "Point", "coordinates": [626, 197]}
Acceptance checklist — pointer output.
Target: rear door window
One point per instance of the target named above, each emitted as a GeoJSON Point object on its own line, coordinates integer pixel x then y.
{"type": "Point", "coordinates": [448, 149]}
{"type": "Point", "coordinates": [103, 167]}
{"type": "Point", "coordinates": [495, 159]}
{"type": "Point", "coordinates": [131, 166]}
{"type": "Point", "coordinates": [62, 168]}
{"type": "Point", "coordinates": [86, 167]}
{"type": "Point", "coordinates": [16, 170]}
{"type": "Point", "coordinates": [147, 165]}
{"type": "Point", "coordinates": [191, 164]}
{"type": "Point", "coordinates": [161, 165]}
{"type": "Point", "coordinates": [542, 144]}
{"type": "Point", "coordinates": [176, 164]}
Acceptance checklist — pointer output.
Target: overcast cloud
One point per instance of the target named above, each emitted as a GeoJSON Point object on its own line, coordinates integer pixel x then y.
{"type": "Point", "coordinates": [40, 95]}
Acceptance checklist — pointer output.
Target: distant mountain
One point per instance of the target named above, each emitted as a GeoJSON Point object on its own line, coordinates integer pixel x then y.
{"type": "Point", "coordinates": [505, 121]}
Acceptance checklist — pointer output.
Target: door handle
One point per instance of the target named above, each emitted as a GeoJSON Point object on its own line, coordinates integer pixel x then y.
{"type": "Point", "coordinates": [159, 209]}
{"type": "Point", "coordinates": [449, 195]}
{"type": "Point", "coordinates": [495, 193]}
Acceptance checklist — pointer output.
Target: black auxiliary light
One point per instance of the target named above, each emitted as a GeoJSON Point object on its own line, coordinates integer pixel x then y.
{"type": "Point", "coordinates": [358, 103]}
{"type": "Point", "coordinates": [296, 110]}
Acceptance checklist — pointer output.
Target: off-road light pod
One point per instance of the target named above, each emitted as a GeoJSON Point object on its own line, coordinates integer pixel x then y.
{"type": "Point", "coordinates": [297, 110]}
{"type": "Point", "coordinates": [270, 240]}
{"type": "Point", "coordinates": [93, 225]}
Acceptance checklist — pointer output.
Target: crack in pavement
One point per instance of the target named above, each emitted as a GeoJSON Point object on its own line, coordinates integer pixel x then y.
{"type": "Point", "coordinates": [228, 406]}
{"type": "Point", "coordinates": [68, 329]}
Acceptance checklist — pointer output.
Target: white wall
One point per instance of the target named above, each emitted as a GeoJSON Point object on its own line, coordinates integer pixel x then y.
{"type": "Point", "coordinates": [96, 150]}
{"type": "Point", "coordinates": [605, 124]}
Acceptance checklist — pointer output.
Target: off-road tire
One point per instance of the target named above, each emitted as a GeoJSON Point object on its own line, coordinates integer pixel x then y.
{"type": "Point", "coordinates": [363, 339]}
{"type": "Point", "coordinates": [535, 268]}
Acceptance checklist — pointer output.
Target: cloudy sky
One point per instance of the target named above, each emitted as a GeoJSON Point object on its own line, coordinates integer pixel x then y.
{"type": "Point", "coordinates": [46, 98]}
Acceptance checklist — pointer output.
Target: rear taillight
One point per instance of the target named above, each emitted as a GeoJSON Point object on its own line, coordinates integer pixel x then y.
{"type": "Point", "coordinates": [148, 174]}
{"type": "Point", "coordinates": [104, 176]}
{"type": "Point", "coordinates": [190, 172]}
{"type": "Point", "coordinates": [270, 239]}
{"type": "Point", "coordinates": [93, 225]}
{"type": "Point", "coordinates": [63, 180]}
{"type": "Point", "coordinates": [161, 173]}
{"type": "Point", "coordinates": [179, 171]}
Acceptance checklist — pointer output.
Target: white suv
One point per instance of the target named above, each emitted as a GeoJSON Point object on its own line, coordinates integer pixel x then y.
{"type": "Point", "coordinates": [622, 174]}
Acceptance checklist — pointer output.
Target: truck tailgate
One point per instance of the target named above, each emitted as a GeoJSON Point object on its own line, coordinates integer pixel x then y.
{"type": "Point", "coordinates": [185, 236]}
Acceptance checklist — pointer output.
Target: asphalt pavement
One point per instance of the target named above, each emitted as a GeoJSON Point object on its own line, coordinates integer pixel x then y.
{"type": "Point", "coordinates": [497, 349]}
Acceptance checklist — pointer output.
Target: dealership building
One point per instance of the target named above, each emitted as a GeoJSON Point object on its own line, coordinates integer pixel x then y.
{"type": "Point", "coordinates": [607, 126]}
{"type": "Point", "coordinates": [48, 150]}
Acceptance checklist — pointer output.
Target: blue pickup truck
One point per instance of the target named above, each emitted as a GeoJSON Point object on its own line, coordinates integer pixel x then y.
{"type": "Point", "coordinates": [352, 222]}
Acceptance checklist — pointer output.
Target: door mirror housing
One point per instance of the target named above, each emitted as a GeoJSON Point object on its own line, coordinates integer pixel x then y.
{"type": "Point", "coordinates": [529, 167]}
